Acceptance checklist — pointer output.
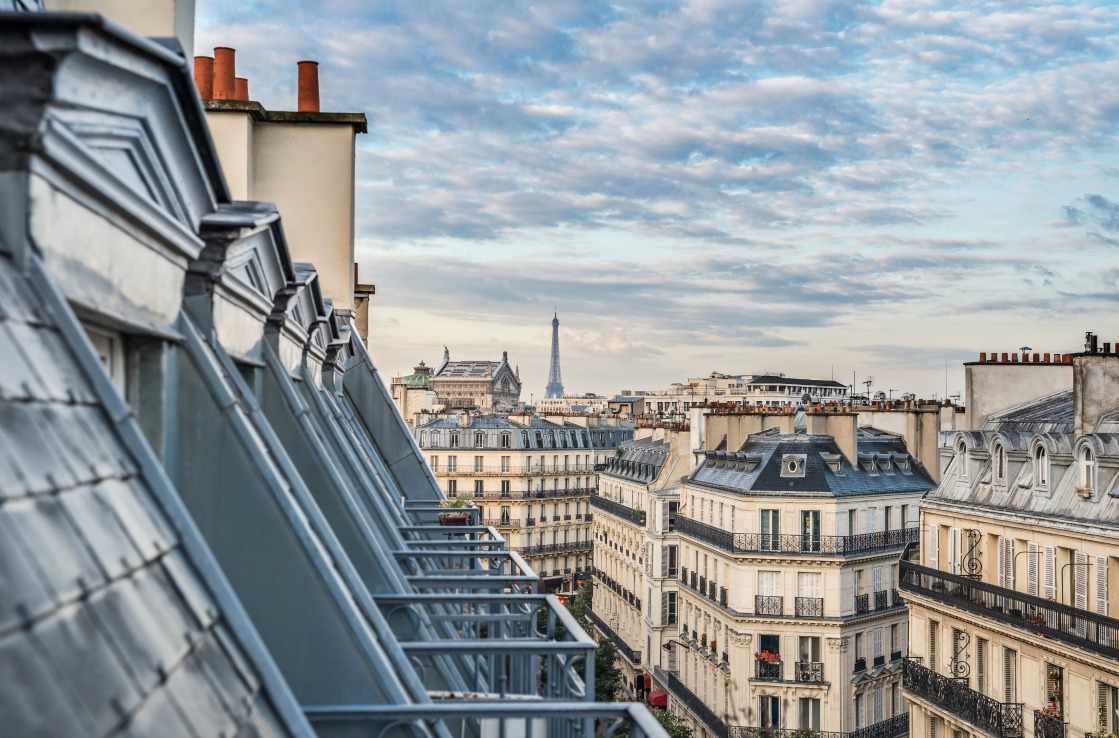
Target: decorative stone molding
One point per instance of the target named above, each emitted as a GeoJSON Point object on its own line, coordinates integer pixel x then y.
{"type": "Point", "coordinates": [838, 644]}
{"type": "Point", "coordinates": [739, 639]}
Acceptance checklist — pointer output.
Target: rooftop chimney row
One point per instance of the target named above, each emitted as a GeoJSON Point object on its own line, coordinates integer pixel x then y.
{"type": "Point", "coordinates": [216, 78]}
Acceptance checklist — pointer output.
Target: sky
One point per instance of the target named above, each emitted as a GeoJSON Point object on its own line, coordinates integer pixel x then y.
{"type": "Point", "coordinates": [815, 187]}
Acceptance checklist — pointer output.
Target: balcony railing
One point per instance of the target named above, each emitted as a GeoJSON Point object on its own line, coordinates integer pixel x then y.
{"type": "Point", "coordinates": [1087, 630]}
{"type": "Point", "coordinates": [523, 494]}
{"type": "Point", "coordinates": [518, 469]}
{"type": "Point", "coordinates": [999, 719]}
{"type": "Point", "coordinates": [554, 548]}
{"type": "Point", "coordinates": [618, 510]}
{"type": "Point", "coordinates": [810, 671]}
{"type": "Point", "coordinates": [881, 600]}
{"type": "Point", "coordinates": [795, 544]}
{"type": "Point", "coordinates": [862, 603]}
{"type": "Point", "coordinates": [695, 705]}
{"type": "Point", "coordinates": [894, 727]}
{"type": "Point", "coordinates": [809, 607]}
{"type": "Point", "coordinates": [769, 671]}
{"type": "Point", "coordinates": [502, 522]}
{"type": "Point", "coordinates": [769, 605]}
{"type": "Point", "coordinates": [1047, 726]}
{"type": "Point", "coordinates": [632, 654]}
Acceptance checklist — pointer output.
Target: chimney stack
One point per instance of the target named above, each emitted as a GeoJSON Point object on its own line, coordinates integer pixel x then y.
{"type": "Point", "coordinates": [309, 86]}
{"type": "Point", "coordinates": [241, 88]}
{"type": "Point", "coordinates": [225, 73]}
{"type": "Point", "coordinates": [204, 76]}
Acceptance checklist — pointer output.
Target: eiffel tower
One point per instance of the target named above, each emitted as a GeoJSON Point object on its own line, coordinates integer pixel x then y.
{"type": "Point", "coordinates": [555, 384]}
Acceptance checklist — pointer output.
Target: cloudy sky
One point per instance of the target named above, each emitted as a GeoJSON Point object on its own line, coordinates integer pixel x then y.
{"type": "Point", "coordinates": [812, 187]}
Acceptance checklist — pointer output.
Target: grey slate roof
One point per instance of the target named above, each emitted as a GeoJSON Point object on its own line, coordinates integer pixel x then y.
{"type": "Point", "coordinates": [106, 626]}
{"type": "Point", "coordinates": [792, 381]}
{"type": "Point", "coordinates": [756, 468]}
{"type": "Point", "coordinates": [639, 461]}
{"type": "Point", "coordinates": [1049, 414]}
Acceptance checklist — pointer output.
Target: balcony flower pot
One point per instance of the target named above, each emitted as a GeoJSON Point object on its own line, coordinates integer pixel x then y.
{"type": "Point", "coordinates": [455, 514]}
{"type": "Point", "coordinates": [860, 663]}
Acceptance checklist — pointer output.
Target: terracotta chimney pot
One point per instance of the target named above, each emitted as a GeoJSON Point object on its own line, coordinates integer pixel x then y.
{"type": "Point", "coordinates": [225, 73]}
{"type": "Point", "coordinates": [204, 76]}
{"type": "Point", "coordinates": [309, 86]}
{"type": "Point", "coordinates": [241, 88]}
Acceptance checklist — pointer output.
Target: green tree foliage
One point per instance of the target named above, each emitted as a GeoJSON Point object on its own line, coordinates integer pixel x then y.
{"type": "Point", "coordinates": [674, 725]}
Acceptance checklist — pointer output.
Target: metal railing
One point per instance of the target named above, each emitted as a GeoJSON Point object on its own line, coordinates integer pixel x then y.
{"type": "Point", "coordinates": [795, 544]}
{"type": "Point", "coordinates": [810, 671]}
{"type": "Point", "coordinates": [490, 470]}
{"type": "Point", "coordinates": [455, 717]}
{"type": "Point", "coordinates": [881, 600]}
{"type": "Point", "coordinates": [769, 605]}
{"type": "Point", "coordinates": [809, 607]}
{"type": "Point", "coordinates": [1096, 633]}
{"type": "Point", "coordinates": [524, 494]}
{"type": "Point", "coordinates": [503, 522]}
{"type": "Point", "coordinates": [554, 548]}
{"type": "Point", "coordinates": [695, 705]}
{"type": "Point", "coordinates": [1000, 719]}
{"type": "Point", "coordinates": [862, 603]}
{"type": "Point", "coordinates": [618, 510]}
{"type": "Point", "coordinates": [1048, 726]}
{"type": "Point", "coordinates": [631, 653]}
{"type": "Point", "coordinates": [770, 671]}
{"type": "Point", "coordinates": [893, 727]}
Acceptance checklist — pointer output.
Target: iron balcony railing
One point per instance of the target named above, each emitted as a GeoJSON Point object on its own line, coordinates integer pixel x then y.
{"type": "Point", "coordinates": [1096, 633]}
{"type": "Point", "coordinates": [1048, 726]}
{"type": "Point", "coordinates": [893, 727]}
{"type": "Point", "coordinates": [768, 671]}
{"type": "Point", "coordinates": [631, 653]}
{"type": "Point", "coordinates": [695, 705]}
{"type": "Point", "coordinates": [809, 607]}
{"type": "Point", "coordinates": [999, 719]}
{"type": "Point", "coordinates": [488, 470]}
{"type": "Point", "coordinates": [810, 671]}
{"type": "Point", "coordinates": [769, 605]}
{"type": "Point", "coordinates": [795, 544]}
{"type": "Point", "coordinates": [618, 510]}
{"type": "Point", "coordinates": [862, 603]}
{"type": "Point", "coordinates": [524, 494]}
{"type": "Point", "coordinates": [515, 718]}
{"type": "Point", "coordinates": [555, 548]}
{"type": "Point", "coordinates": [881, 600]}
{"type": "Point", "coordinates": [503, 522]}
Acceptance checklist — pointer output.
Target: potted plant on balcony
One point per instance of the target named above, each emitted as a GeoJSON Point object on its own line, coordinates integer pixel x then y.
{"type": "Point", "coordinates": [767, 656]}
{"type": "Point", "coordinates": [860, 663]}
{"type": "Point", "coordinates": [462, 517]}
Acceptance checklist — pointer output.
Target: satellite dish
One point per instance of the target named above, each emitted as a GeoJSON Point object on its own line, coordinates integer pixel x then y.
{"type": "Point", "coordinates": [806, 398]}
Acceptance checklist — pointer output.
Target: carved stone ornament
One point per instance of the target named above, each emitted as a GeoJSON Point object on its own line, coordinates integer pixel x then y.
{"type": "Point", "coordinates": [739, 639]}
{"type": "Point", "coordinates": [837, 644]}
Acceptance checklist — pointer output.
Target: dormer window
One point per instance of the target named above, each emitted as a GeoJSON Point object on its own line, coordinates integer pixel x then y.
{"type": "Point", "coordinates": [904, 463]}
{"type": "Point", "coordinates": [868, 463]}
{"type": "Point", "coordinates": [423, 439]}
{"type": "Point", "coordinates": [961, 459]}
{"type": "Point", "coordinates": [998, 459]}
{"type": "Point", "coordinates": [1041, 467]}
{"type": "Point", "coordinates": [792, 465]}
{"type": "Point", "coordinates": [454, 440]}
{"type": "Point", "coordinates": [505, 440]}
{"type": "Point", "coordinates": [479, 440]}
{"type": "Point", "coordinates": [1087, 466]}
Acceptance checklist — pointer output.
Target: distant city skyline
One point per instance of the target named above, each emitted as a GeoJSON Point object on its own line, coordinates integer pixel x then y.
{"type": "Point", "coordinates": [813, 187]}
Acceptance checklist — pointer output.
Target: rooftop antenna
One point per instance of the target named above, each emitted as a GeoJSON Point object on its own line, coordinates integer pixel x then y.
{"type": "Point", "coordinates": [868, 381]}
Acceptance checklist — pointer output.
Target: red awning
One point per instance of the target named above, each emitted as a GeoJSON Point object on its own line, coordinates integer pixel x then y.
{"type": "Point", "coordinates": [658, 698]}
{"type": "Point", "coordinates": [648, 682]}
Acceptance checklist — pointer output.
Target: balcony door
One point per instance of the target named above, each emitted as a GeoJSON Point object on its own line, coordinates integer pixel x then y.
{"type": "Point", "coordinates": [810, 530]}
{"type": "Point", "coordinates": [769, 711]}
{"type": "Point", "coordinates": [809, 713]}
{"type": "Point", "coordinates": [770, 530]}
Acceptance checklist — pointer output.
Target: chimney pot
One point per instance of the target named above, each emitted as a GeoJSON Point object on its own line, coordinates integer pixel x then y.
{"type": "Point", "coordinates": [982, 356]}
{"type": "Point", "coordinates": [1014, 358]}
{"type": "Point", "coordinates": [225, 73]}
{"type": "Point", "coordinates": [204, 76]}
{"type": "Point", "coordinates": [309, 86]}
{"type": "Point", "coordinates": [1005, 357]}
{"type": "Point", "coordinates": [1046, 358]}
{"type": "Point", "coordinates": [241, 88]}
{"type": "Point", "coordinates": [1107, 348]}
{"type": "Point", "coordinates": [1037, 358]}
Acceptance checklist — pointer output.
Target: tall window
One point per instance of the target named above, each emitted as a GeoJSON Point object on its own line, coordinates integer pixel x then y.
{"type": "Point", "coordinates": [505, 464]}
{"type": "Point", "coordinates": [452, 464]}
{"type": "Point", "coordinates": [1087, 466]}
{"type": "Point", "coordinates": [479, 462]}
{"type": "Point", "coordinates": [1041, 466]}
{"type": "Point", "coordinates": [454, 440]}
{"type": "Point", "coordinates": [505, 440]}
{"type": "Point", "coordinates": [1000, 463]}
{"type": "Point", "coordinates": [452, 488]}
{"type": "Point", "coordinates": [479, 440]}
{"type": "Point", "coordinates": [809, 709]}
{"type": "Point", "coordinates": [770, 530]}
{"type": "Point", "coordinates": [769, 711]}
{"type": "Point", "coordinates": [505, 487]}
{"type": "Point", "coordinates": [810, 530]}
{"type": "Point", "coordinates": [478, 488]}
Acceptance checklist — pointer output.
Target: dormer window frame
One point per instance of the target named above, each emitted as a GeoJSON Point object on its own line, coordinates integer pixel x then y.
{"type": "Point", "coordinates": [999, 463]}
{"type": "Point", "coordinates": [1087, 470]}
{"type": "Point", "coordinates": [962, 459]}
{"type": "Point", "coordinates": [793, 466]}
{"type": "Point", "coordinates": [1042, 467]}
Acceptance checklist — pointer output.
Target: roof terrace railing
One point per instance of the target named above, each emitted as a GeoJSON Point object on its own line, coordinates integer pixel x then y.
{"type": "Point", "coordinates": [808, 544]}
{"type": "Point", "coordinates": [637, 517]}
{"type": "Point", "coordinates": [524, 719]}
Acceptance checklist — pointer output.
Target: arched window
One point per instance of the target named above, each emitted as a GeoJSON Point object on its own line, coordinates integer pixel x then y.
{"type": "Point", "coordinates": [961, 459]}
{"type": "Point", "coordinates": [998, 458]}
{"type": "Point", "coordinates": [1087, 464]}
{"type": "Point", "coordinates": [1041, 466]}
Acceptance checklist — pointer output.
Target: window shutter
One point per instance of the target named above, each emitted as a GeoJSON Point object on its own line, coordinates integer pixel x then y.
{"type": "Point", "coordinates": [933, 547]}
{"type": "Point", "coordinates": [933, 627]}
{"type": "Point", "coordinates": [1050, 572]}
{"type": "Point", "coordinates": [1101, 700]}
{"type": "Point", "coordinates": [1002, 562]}
{"type": "Point", "coordinates": [664, 561]}
{"type": "Point", "coordinates": [1080, 580]}
{"type": "Point", "coordinates": [1009, 558]}
{"type": "Point", "coordinates": [664, 517]}
{"type": "Point", "coordinates": [954, 550]}
{"type": "Point", "coordinates": [1031, 568]}
{"type": "Point", "coordinates": [877, 572]}
{"type": "Point", "coordinates": [1101, 585]}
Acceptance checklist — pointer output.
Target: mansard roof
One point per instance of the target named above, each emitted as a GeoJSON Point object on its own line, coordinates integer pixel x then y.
{"type": "Point", "coordinates": [1050, 414]}
{"type": "Point", "coordinates": [639, 460]}
{"type": "Point", "coordinates": [775, 379]}
{"type": "Point", "coordinates": [883, 466]}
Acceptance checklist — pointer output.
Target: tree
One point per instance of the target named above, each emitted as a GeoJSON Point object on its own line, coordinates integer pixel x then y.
{"type": "Point", "coordinates": [673, 724]}
{"type": "Point", "coordinates": [607, 675]}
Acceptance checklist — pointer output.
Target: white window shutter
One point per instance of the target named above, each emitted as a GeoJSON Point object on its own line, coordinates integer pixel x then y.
{"type": "Point", "coordinates": [1080, 589]}
{"type": "Point", "coordinates": [1050, 572]}
{"type": "Point", "coordinates": [1002, 562]}
{"type": "Point", "coordinates": [1031, 568]}
{"type": "Point", "coordinates": [954, 550]}
{"type": "Point", "coordinates": [934, 546]}
{"type": "Point", "coordinates": [1009, 563]}
{"type": "Point", "coordinates": [664, 561]}
{"type": "Point", "coordinates": [1101, 585]}
{"type": "Point", "coordinates": [664, 517]}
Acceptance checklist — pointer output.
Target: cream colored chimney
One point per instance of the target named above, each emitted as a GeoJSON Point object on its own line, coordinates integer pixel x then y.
{"type": "Point", "coordinates": [155, 18]}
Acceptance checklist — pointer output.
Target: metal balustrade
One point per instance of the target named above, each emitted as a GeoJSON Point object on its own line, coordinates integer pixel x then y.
{"type": "Point", "coordinates": [769, 605]}
{"type": "Point", "coordinates": [523, 494]}
{"type": "Point", "coordinates": [794, 543]}
{"type": "Point", "coordinates": [862, 604]}
{"type": "Point", "coordinates": [1000, 719]}
{"type": "Point", "coordinates": [631, 653]}
{"type": "Point", "coordinates": [1048, 726]}
{"type": "Point", "coordinates": [499, 634]}
{"type": "Point", "coordinates": [695, 705]}
{"type": "Point", "coordinates": [503, 522]}
{"type": "Point", "coordinates": [1081, 628]}
{"type": "Point", "coordinates": [809, 671]}
{"type": "Point", "coordinates": [618, 510]}
{"type": "Point", "coordinates": [554, 548]}
{"type": "Point", "coordinates": [881, 600]}
{"type": "Point", "coordinates": [809, 607]}
{"type": "Point", "coordinates": [893, 727]}
{"type": "Point", "coordinates": [490, 470]}
{"type": "Point", "coordinates": [769, 671]}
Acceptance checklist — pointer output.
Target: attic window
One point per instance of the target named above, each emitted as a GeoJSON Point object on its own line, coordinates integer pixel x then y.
{"type": "Point", "coordinates": [792, 465]}
{"type": "Point", "coordinates": [998, 459]}
{"type": "Point", "coordinates": [834, 462]}
{"type": "Point", "coordinates": [1041, 467]}
{"type": "Point", "coordinates": [886, 464]}
{"type": "Point", "coordinates": [904, 463]}
{"type": "Point", "coordinates": [866, 461]}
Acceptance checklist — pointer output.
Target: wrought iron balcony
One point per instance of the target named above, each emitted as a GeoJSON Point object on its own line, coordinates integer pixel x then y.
{"type": "Point", "coordinates": [520, 470]}
{"type": "Point", "coordinates": [723, 596]}
{"type": "Point", "coordinates": [1048, 726]}
{"type": "Point", "coordinates": [880, 660]}
{"type": "Point", "coordinates": [862, 603]}
{"type": "Point", "coordinates": [769, 605]}
{"type": "Point", "coordinates": [554, 548]}
{"type": "Point", "coordinates": [503, 522]}
{"type": "Point", "coordinates": [999, 719]}
{"type": "Point", "coordinates": [695, 705]}
{"type": "Point", "coordinates": [810, 671]}
{"type": "Point", "coordinates": [809, 607]}
{"type": "Point", "coordinates": [769, 671]}
{"type": "Point", "coordinates": [795, 544]}
{"type": "Point", "coordinates": [1096, 633]}
{"type": "Point", "coordinates": [632, 654]}
{"type": "Point", "coordinates": [894, 727]}
{"type": "Point", "coordinates": [881, 600]}
{"type": "Point", "coordinates": [618, 510]}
